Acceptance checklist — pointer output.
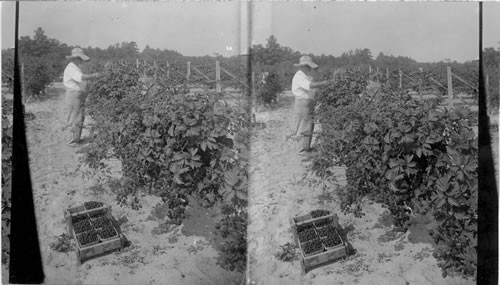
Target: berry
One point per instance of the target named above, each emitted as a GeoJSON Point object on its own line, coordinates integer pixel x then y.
{"type": "Point", "coordinates": [307, 235]}
{"type": "Point", "coordinates": [97, 214]}
{"type": "Point", "coordinates": [107, 232]}
{"type": "Point", "coordinates": [92, 205]}
{"type": "Point", "coordinates": [79, 218]}
{"type": "Point", "coordinates": [312, 246]}
{"type": "Point", "coordinates": [82, 226]}
{"type": "Point", "coordinates": [319, 213]}
{"type": "Point", "coordinates": [325, 231]}
{"type": "Point", "coordinates": [87, 237]}
{"type": "Point", "coordinates": [101, 222]}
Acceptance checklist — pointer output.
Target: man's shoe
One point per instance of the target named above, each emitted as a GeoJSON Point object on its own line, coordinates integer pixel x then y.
{"type": "Point", "coordinates": [73, 142]}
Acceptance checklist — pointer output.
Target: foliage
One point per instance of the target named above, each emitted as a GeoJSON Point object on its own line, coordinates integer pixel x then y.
{"type": "Point", "coordinates": [174, 145]}
{"type": "Point", "coordinates": [491, 59]}
{"type": "Point", "coordinates": [41, 58]}
{"type": "Point", "coordinates": [6, 177]}
{"type": "Point", "coordinates": [61, 243]}
{"type": "Point", "coordinates": [403, 152]}
{"type": "Point", "coordinates": [272, 53]}
{"type": "Point", "coordinates": [8, 69]}
{"type": "Point", "coordinates": [286, 252]}
{"type": "Point", "coordinates": [268, 90]}
{"type": "Point", "coordinates": [233, 228]}
{"type": "Point", "coordinates": [37, 76]}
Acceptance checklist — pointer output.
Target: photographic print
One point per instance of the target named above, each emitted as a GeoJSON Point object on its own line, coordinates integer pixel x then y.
{"type": "Point", "coordinates": [249, 142]}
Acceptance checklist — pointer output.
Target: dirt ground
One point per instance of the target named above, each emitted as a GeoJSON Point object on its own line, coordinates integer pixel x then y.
{"type": "Point", "coordinates": [280, 189]}
{"type": "Point", "coordinates": [158, 253]}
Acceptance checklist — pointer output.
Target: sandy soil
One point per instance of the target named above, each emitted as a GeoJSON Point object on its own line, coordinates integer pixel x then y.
{"type": "Point", "coordinates": [280, 189]}
{"type": "Point", "coordinates": [158, 253]}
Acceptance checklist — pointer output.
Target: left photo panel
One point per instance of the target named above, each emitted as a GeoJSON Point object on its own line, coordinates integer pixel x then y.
{"type": "Point", "coordinates": [137, 127]}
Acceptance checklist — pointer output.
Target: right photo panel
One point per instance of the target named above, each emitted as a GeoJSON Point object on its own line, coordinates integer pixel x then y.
{"type": "Point", "coordinates": [364, 152]}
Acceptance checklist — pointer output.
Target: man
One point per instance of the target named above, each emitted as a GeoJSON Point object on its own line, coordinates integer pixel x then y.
{"type": "Point", "coordinates": [76, 84]}
{"type": "Point", "coordinates": [304, 89]}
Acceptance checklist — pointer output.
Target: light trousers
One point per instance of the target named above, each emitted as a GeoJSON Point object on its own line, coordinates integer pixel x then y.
{"type": "Point", "coordinates": [304, 122]}
{"type": "Point", "coordinates": [76, 107]}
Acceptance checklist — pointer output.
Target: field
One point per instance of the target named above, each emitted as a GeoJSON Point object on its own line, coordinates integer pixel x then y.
{"type": "Point", "coordinates": [281, 188]}
{"type": "Point", "coordinates": [185, 254]}
{"type": "Point", "coordinates": [196, 158]}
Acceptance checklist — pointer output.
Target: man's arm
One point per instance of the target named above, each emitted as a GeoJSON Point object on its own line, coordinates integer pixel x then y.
{"type": "Point", "coordinates": [321, 83]}
{"type": "Point", "coordinates": [90, 76]}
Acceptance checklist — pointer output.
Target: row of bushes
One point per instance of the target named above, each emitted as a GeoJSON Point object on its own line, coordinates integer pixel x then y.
{"type": "Point", "coordinates": [406, 154]}
{"type": "Point", "coordinates": [37, 74]}
{"type": "Point", "coordinates": [173, 145]}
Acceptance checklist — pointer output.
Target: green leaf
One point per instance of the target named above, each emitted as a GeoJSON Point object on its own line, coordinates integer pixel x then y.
{"type": "Point", "coordinates": [171, 130]}
{"type": "Point", "coordinates": [453, 202]}
{"type": "Point", "coordinates": [370, 141]}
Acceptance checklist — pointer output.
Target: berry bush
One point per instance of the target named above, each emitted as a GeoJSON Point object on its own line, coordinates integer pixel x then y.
{"type": "Point", "coordinates": [174, 145]}
{"type": "Point", "coordinates": [405, 154]}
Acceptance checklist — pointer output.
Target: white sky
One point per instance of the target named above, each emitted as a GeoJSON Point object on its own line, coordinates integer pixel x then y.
{"type": "Point", "coordinates": [425, 31]}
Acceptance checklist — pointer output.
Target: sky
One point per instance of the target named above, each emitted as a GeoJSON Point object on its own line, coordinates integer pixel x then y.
{"type": "Point", "coordinates": [425, 31]}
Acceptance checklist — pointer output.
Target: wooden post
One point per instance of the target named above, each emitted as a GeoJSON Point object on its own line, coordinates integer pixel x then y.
{"type": "Point", "coordinates": [400, 79]}
{"type": "Point", "coordinates": [156, 70]}
{"type": "Point", "coordinates": [487, 87]}
{"type": "Point", "coordinates": [370, 69]}
{"type": "Point", "coordinates": [168, 70]}
{"type": "Point", "coordinates": [218, 88]}
{"type": "Point", "coordinates": [487, 83]}
{"type": "Point", "coordinates": [188, 73]}
{"type": "Point", "coordinates": [23, 84]}
{"type": "Point", "coordinates": [420, 84]}
{"type": "Point", "coordinates": [387, 73]}
{"type": "Point", "coordinates": [253, 84]}
{"type": "Point", "coordinates": [137, 63]}
{"type": "Point", "coordinates": [450, 87]}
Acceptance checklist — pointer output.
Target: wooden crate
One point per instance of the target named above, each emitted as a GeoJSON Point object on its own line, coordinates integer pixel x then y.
{"type": "Point", "coordinates": [103, 246]}
{"type": "Point", "coordinates": [328, 255]}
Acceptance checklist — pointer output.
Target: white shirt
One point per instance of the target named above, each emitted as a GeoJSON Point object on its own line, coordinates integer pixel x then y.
{"type": "Point", "coordinates": [73, 77]}
{"type": "Point", "coordinates": [301, 85]}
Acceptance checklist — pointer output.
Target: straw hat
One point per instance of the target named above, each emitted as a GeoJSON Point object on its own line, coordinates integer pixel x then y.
{"type": "Point", "coordinates": [78, 53]}
{"type": "Point", "coordinates": [306, 60]}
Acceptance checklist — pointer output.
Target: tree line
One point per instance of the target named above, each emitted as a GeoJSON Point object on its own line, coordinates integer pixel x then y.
{"type": "Point", "coordinates": [44, 60]}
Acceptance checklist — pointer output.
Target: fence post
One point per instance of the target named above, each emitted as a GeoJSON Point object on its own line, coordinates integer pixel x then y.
{"type": "Point", "coordinates": [400, 79]}
{"type": "Point", "coordinates": [487, 83]}
{"type": "Point", "coordinates": [137, 63]}
{"type": "Point", "coordinates": [23, 85]}
{"type": "Point", "coordinates": [218, 88]}
{"type": "Point", "coordinates": [188, 73]}
{"type": "Point", "coordinates": [156, 70]}
{"type": "Point", "coordinates": [450, 87]}
{"type": "Point", "coordinates": [420, 84]}
{"type": "Point", "coordinates": [370, 68]}
{"type": "Point", "coordinates": [387, 73]}
{"type": "Point", "coordinates": [253, 84]}
{"type": "Point", "coordinates": [168, 70]}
